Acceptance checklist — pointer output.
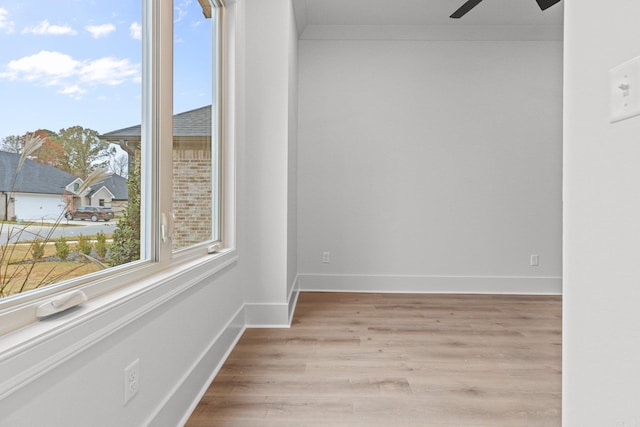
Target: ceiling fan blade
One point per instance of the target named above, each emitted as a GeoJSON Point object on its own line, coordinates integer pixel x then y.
{"type": "Point", "coordinates": [470, 4]}
{"type": "Point", "coordinates": [545, 4]}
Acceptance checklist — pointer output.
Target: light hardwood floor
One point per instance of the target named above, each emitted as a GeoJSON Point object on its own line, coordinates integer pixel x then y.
{"type": "Point", "coordinates": [396, 360]}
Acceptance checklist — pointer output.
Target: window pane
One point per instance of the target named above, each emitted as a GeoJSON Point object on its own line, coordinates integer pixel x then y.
{"type": "Point", "coordinates": [195, 140]}
{"type": "Point", "coordinates": [70, 74]}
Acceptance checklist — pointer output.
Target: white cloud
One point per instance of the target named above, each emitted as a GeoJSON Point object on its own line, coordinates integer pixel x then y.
{"type": "Point", "coordinates": [136, 31]}
{"type": "Point", "coordinates": [98, 31]}
{"type": "Point", "coordinates": [109, 71]}
{"type": "Point", "coordinates": [6, 26]}
{"type": "Point", "coordinates": [181, 10]}
{"type": "Point", "coordinates": [73, 91]}
{"type": "Point", "coordinates": [45, 28]}
{"type": "Point", "coordinates": [58, 69]}
{"type": "Point", "coordinates": [45, 66]}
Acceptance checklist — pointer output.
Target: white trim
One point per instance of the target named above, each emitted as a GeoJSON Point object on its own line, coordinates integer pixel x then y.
{"type": "Point", "coordinates": [70, 189]}
{"type": "Point", "coordinates": [273, 315]}
{"type": "Point", "coordinates": [267, 315]}
{"type": "Point", "coordinates": [293, 298]}
{"type": "Point", "coordinates": [300, 12]}
{"type": "Point", "coordinates": [433, 32]}
{"type": "Point", "coordinates": [431, 284]}
{"type": "Point", "coordinates": [171, 410]}
{"type": "Point", "coordinates": [100, 189]}
{"type": "Point", "coordinates": [92, 323]}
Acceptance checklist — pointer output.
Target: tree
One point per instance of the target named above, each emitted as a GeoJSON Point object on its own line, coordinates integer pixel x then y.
{"type": "Point", "coordinates": [101, 244]}
{"type": "Point", "coordinates": [119, 165]}
{"type": "Point", "coordinates": [62, 248]}
{"type": "Point", "coordinates": [51, 153]}
{"type": "Point", "coordinates": [84, 151]}
{"type": "Point", "coordinates": [126, 237]}
{"type": "Point", "coordinates": [13, 144]}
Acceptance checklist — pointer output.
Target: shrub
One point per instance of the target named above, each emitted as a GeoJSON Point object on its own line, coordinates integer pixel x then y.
{"type": "Point", "coordinates": [101, 244]}
{"type": "Point", "coordinates": [37, 249]}
{"type": "Point", "coordinates": [84, 245]}
{"type": "Point", "coordinates": [62, 248]}
{"type": "Point", "coordinates": [126, 237]}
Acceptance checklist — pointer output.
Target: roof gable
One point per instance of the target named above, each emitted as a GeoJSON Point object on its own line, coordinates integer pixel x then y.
{"type": "Point", "coordinates": [195, 122]}
{"type": "Point", "coordinates": [115, 184]}
{"type": "Point", "coordinates": [102, 192]}
{"type": "Point", "coordinates": [33, 177]}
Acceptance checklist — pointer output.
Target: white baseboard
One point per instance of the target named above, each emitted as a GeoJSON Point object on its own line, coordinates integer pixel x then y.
{"type": "Point", "coordinates": [189, 391]}
{"type": "Point", "coordinates": [267, 315]}
{"type": "Point", "coordinates": [293, 298]}
{"type": "Point", "coordinates": [431, 284]}
{"type": "Point", "coordinates": [273, 315]}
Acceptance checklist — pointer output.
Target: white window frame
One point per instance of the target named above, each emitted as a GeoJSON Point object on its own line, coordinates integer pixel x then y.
{"type": "Point", "coordinates": [114, 284]}
{"type": "Point", "coordinates": [216, 11]}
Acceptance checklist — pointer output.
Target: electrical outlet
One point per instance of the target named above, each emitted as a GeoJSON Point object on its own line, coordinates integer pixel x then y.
{"type": "Point", "coordinates": [535, 261]}
{"type": "Point", "coordinates": [326, 257]}
{"type": "Point", "coordinates": [131, 380]}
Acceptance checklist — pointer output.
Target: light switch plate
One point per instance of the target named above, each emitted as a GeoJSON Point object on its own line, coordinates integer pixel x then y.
{"type": "Point", "coordinates": [625, 90]}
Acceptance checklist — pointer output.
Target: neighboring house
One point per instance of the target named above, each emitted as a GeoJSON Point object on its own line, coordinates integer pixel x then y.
{"type": "Point", "coordinates": [43, 192]}
{"type": "Point", "coordinates": [111, 192]}
{"type": "Point", "coordinates": [192, 157]}
{"type": "Point", "coordinates": [37, 193]}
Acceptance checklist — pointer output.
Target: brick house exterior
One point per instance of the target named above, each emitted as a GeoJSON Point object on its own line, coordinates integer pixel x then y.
{"type": "Point", "coordinates": [192, 171]}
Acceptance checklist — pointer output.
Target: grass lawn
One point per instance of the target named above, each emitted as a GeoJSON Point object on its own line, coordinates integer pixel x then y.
{"type": "Point", "coordinates": [18, 276]}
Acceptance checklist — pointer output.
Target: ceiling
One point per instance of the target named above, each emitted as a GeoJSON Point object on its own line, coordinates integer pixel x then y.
{"type": "Point", "coordinates": [424, 13]}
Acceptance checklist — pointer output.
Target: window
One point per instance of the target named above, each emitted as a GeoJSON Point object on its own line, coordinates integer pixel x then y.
{"type": "Point", "coordinates": [114, 95]}
{"type": "Point", "coordinates": [196, 130]}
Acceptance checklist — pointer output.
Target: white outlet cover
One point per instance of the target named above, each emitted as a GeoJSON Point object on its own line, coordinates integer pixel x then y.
{"type": "Point", "coordinates": [131, 380]}
{"type": "Point", "coordinates": [625, 90]}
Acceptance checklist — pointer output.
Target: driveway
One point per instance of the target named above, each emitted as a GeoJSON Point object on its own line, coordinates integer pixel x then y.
{"type": "Point", "coordinates": [68, 229]}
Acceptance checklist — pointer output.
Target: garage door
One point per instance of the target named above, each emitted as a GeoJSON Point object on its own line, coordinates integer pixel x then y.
{"type": "Point", "coordinates": [31, 207]}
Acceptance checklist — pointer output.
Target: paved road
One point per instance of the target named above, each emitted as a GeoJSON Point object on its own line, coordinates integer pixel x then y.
{"type": "Point", "coordinates": [74, 230]}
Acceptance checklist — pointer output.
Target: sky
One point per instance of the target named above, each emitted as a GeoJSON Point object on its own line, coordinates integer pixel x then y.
{"type": "Point", "coordinates": [78, 62]}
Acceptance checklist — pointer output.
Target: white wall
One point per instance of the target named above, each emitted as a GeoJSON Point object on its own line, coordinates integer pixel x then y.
{"type": "Point", "coordinates": [292, 156]}
{"type": "Point", "coordinates": [430, 166]}
{"type": "Point", "coordinates": [172, 341]}
{"type": "Point", "coordinates": [602, 222]}
{"type": "Point", "coordinates": [270, 138]}
{"type": "Point", "coordinates": [182, 328]}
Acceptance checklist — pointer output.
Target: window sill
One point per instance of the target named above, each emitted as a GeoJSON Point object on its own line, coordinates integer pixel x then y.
{"type": "Point", "coordinates": [63, 336]}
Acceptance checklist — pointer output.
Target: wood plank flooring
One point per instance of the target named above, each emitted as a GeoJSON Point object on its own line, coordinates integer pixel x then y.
{"type": "Point", "coordinates": [396, 360]}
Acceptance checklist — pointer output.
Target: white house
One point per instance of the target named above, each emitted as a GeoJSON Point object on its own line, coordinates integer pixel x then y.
{"type": "Point", "coordinates": [427, 155]}
{"type": "Point", "coordinates": [43, 192]}
{"type": "Point", "coordinates": [37, 192]}
{"type": "Point", "coordinates": [110, 192]}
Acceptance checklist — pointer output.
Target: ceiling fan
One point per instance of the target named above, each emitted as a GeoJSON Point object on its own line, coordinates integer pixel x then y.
{"type": "Point", "coordinates": [470, 4]}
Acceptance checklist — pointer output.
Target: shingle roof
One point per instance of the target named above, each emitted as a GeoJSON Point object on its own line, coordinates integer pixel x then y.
{"type": "Point", "coordinates": [33, 176]}
{"type": "Point", "coordinates": [189, 123]}
{"type": "Point", "coordinates": [114, 183]}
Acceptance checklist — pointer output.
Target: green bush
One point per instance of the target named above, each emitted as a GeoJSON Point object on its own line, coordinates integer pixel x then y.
{"type": "Point", "coordinates": [37, 249]}
{"type": "Point", "coordinates": [101, 244]}
{"type": "Point", "coordinates": [126, 237]}
{"type": "Point", "coordinates": [84, 245]}
{"type": "Point", "coordinates": [62, 248]}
